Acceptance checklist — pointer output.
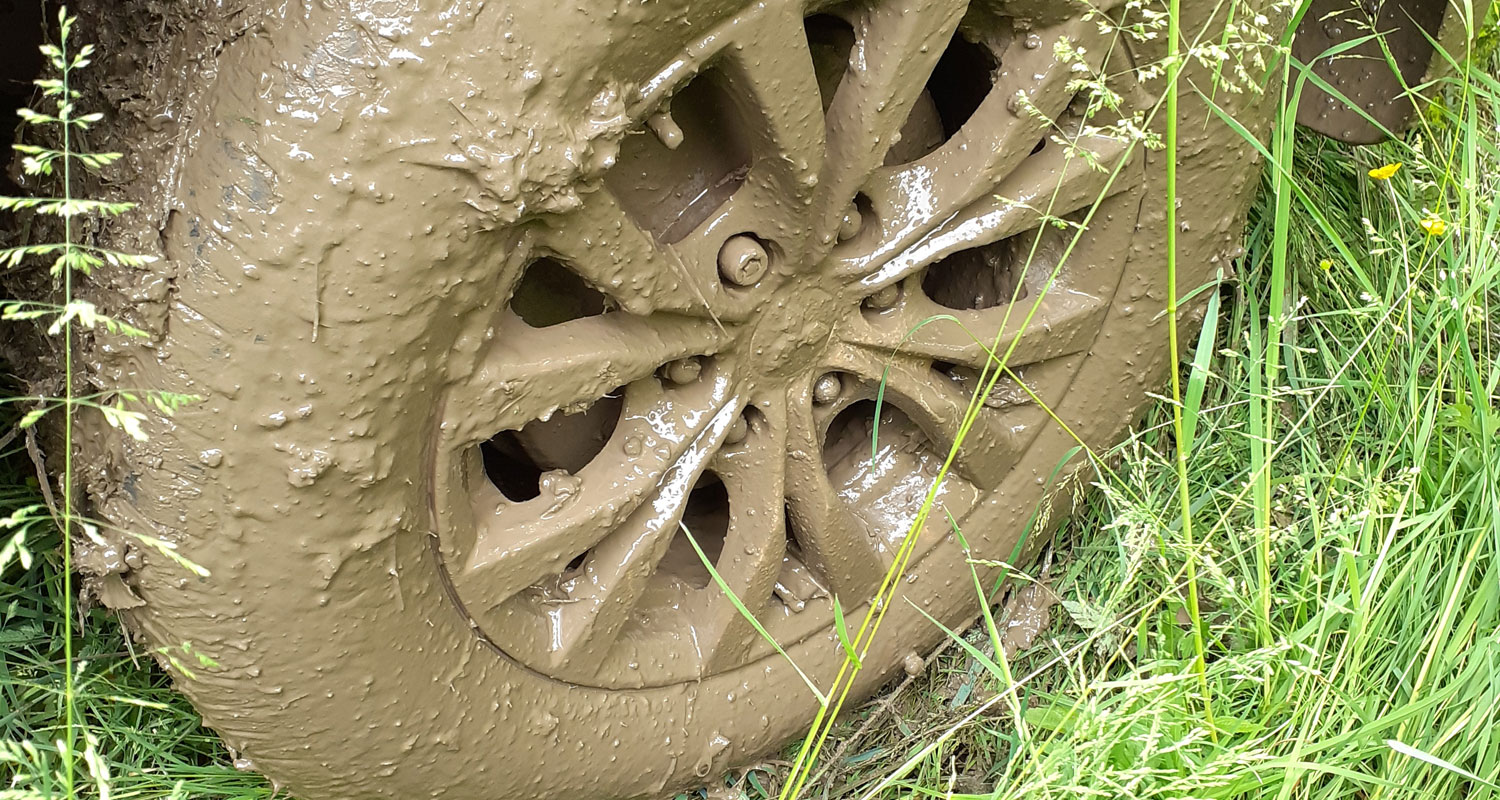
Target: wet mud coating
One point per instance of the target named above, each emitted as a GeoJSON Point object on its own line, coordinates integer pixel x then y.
{"type": "Point", "coordinates": [1362, 74]}
{"type": "Point", "coordinates": [511, 318]}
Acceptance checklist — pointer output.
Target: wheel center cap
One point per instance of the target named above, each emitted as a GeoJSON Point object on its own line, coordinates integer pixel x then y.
{"type": "Point", "coordinates": [791, 328]}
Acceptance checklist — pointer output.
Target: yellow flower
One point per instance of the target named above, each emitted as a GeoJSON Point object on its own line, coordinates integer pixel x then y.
{"type": "Point", "coordinates": [1384, 173]}
{"type": "Point", "coordinates": [1325, 265]}
{"type": "Point", "coordinates": [1433, 224]}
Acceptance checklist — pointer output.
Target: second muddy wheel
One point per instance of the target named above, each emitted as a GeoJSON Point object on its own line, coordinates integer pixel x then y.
{"type": "Point", "coordinates": [493, 307]}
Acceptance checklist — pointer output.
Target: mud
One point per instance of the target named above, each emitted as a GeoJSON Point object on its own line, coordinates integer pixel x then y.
{"type": "Point", "coordinates": [20, 62]}
{"type": "Point", "coordinates": [1027, 614]}
{"type": "Point", "coordinates": [1361, 73]}
{"type": "Point", "coordinates": [443, 496]}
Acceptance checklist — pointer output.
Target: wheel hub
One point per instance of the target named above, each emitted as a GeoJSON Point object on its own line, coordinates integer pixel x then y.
{"type": "Point", "coordinates": [791, 328]}
{"type": "Point", "coordinates": [681, 396]}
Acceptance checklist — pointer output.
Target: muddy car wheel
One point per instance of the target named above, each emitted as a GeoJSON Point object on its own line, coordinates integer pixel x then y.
{"type": "Point", "coordinates": [492, 310]}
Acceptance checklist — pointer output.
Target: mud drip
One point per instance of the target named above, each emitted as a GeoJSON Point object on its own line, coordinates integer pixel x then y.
{"type": "Point", "coordinates": [759, 338]}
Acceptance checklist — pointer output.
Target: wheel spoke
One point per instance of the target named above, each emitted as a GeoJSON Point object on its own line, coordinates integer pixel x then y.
{"type": "Point", "coordinates": [937, 404]}
{"type": "Point", "coordinates": [1064, 323]}
{"type": "Point", "coordinates": [617, 571]}
{"type": "Point", "coordinates": [772, 74]}
{"type": "Point", "coordinates": [910, 200]}
{"type": "Point", "coordinates": [1066, 294]}
{"type": "Point", "coordinates": [774, 71]}
{"type": "Point", "coordinates": [532, 372]}
{"type": "Point", "coordinates": [1047, 186]}
{"type": "Point", "coordinates": [617, 256]}
{"type": "Point", "coordinates": [896, 47]}
{"type": "Point", "coordinates": [834, 543]}
{"type": "Point", "coordinates": [521, 543]}
{"type": "Point", "coordinates": [755, 545]}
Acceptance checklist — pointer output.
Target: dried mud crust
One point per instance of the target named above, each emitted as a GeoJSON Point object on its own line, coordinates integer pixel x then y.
{"type": "Point", "coordinates": [339, 197]}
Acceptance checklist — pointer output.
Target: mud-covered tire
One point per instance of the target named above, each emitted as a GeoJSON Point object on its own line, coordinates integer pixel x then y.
{"type": "Point", "coordinates": [356, 195]}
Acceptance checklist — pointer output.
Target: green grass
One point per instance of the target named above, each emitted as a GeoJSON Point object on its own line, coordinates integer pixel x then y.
{"type": "Point", "coordinates": [147, 736]}
{"type": "Point", "coordinates": [1343, 482]}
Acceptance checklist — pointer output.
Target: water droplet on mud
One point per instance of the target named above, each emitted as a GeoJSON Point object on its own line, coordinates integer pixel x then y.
{"type": "Point", "coordinates": [1032, 42]}
{"type": "Point", "coordinates": [633, 446]}
{"type": "Point", "coordinates": [559, 482]}
{"type": "Point", "coordinates": [850, 225]}
{"type": "Point", "coordinates": [737, 432]}
{"type": "Point", "coordinates": [885, 298]}
{"type": "Point", "coordinates": [684, 370]}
